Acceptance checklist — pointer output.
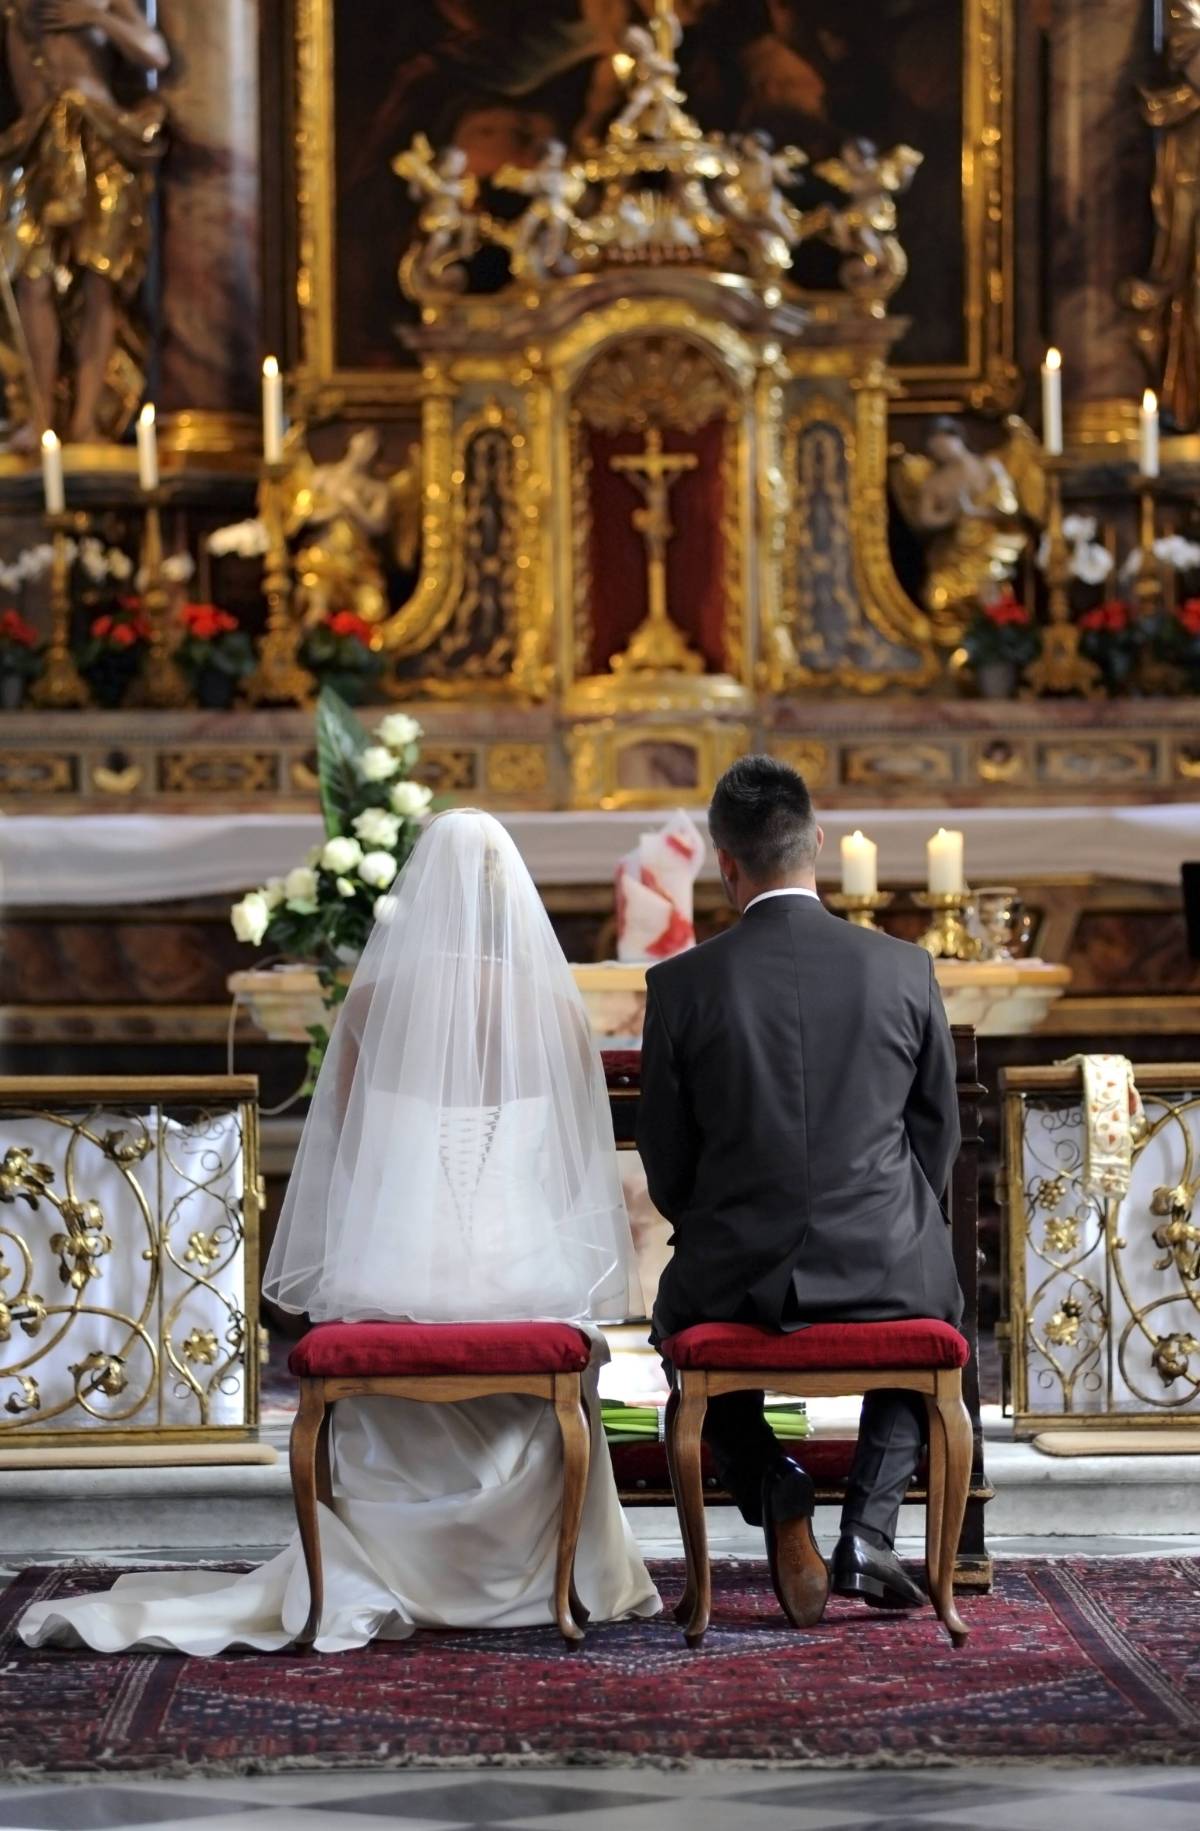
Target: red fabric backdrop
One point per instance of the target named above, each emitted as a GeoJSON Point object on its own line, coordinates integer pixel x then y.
{"type": "Point", "coordinates": [695, 555]}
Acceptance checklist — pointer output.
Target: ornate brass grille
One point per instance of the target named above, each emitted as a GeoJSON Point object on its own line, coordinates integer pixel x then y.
{"type": "Point", "coordinates": [129, 1216]}
{"type": "Point", "coordinates": [1103, 1296]}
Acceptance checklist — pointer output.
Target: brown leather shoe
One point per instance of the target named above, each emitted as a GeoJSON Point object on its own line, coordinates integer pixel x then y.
{"type": "Point", "coordinates": [798, 1571]}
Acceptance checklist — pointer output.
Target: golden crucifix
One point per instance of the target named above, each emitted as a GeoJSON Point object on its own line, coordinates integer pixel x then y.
{"type": "Point", "coordinates": [657, 645]}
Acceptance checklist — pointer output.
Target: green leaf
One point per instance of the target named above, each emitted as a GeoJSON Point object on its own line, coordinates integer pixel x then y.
{"type": "Point", "coordinates": [341, 740]}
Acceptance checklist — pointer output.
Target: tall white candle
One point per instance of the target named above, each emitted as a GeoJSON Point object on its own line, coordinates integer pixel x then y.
{"type": "Point", "coordinates": [1052, 425]}
{"type": "Point", "coordinates": [52, 474]}
{"type": "Point", "coordinates": [272, 409]}
{"type": "Point", "coordinates": [859, 856]}
{"type": "Point", "coordinates": [945, 855]}
{"type": "Point", "coordinates": [147, 448]}
{"type": "Point", "coordinates": [1148, 431]}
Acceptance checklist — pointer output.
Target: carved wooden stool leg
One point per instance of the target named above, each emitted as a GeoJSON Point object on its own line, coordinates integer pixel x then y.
{"type": "Point", "coordinates": [935, 1503]}
{"type": "Point", "coordinates": [309, 1461]}
{"type": "Point", "coordinates": [577, 1444]}
{"type": "Point", "coordinates": [683, 1608]}
{"type": "Point", "coordinates": [955, 1423]}
{"type": "Point", "coordinates": [689, 1498]}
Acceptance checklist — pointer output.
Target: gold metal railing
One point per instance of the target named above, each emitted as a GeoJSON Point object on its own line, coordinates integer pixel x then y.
{"type": "Point", "coordinates": [129, 1231]}
{"type": "Point", "coordinates": [1103, 1296]}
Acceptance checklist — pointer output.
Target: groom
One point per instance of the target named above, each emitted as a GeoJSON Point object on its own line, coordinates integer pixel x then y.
{"type": "Point", "coordinates": [798, 1124]}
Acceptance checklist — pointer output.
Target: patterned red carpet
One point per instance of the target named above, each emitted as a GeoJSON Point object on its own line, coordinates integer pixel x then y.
{"type": "Point", "coordinates": [1096, 1659]}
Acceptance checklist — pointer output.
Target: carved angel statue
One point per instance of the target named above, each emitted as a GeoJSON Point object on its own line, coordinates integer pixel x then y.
{"type": "Point", "coordinates": [447, 228]}
{"type": "Point", "coordinates": [339, 514]}
{"type": "Point", "coordinates": [654, 110]}
{"type": "Point", "coordinates": [1167, 300]}
{"type": "Point", "coordinates": [972, 513]}
{"type": "Point", "coordinates": [865, 228]}
{"type": "Point", "coordinates": [540, 240]}
{"type": "Point", "coordinates": [762, 223]}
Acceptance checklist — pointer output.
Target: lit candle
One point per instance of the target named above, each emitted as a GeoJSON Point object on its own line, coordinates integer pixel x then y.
{"type": "Point", "coordinates": [1148, 430]}
{"type": "Point", "coordinates": [52, 474]}
{"type": "Point", "coordinates": [272, 409]}
{"type": "Point", "coordinates": [147, 448]}
{"type": "Point", "coordinates": [945, 855]}
{"type": "Point", "coordinates": [1052, 437]}
{"type": "Point", "coordinates": [858, 865]}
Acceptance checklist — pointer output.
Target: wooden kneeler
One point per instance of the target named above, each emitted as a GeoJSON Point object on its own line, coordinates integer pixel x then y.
{"type": "Point", "coordinates": [940, 1385]}
{"type": "Point", "coordinates": [314, 1358]}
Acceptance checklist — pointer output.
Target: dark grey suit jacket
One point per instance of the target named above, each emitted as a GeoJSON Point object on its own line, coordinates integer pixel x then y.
{"type": "Point", "coordinates": [798, 1123]}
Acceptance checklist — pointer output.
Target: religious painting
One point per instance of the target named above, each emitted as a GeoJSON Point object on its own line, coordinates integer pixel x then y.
{"type": "Point", "coordinates": [499, 78]}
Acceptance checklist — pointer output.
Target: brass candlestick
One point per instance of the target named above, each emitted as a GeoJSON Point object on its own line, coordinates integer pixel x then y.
{"type": "Point", "coordinates": [61, 686]}
{"type": "Point", "coordinates": [280, 677]}
{"type": "Point", "coordinates": [1147, 590]}
{"type": "Point", "coordinates": [860, 907]}
{"type": "Point", "coordinates": [1060, 668]}
{"type": "Point", "coordinates": [163, 682]}
{"type": "Point", "coordinates": [948, 937]}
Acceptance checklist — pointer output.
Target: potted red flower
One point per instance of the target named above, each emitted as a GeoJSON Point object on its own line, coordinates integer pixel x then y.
{"type": "Point", "coordinates": [215, 654]}
{"type": "Point", "coordinates": [1176, 641]}
{"type": "Point", "coordinates": [340, 650]}
{"type": "Point", "coordinates": [20, 658]}
{"type": "Point", "coordinates": [1112, 635]}
{"type": "Point", "coordinates": [1000, 641]}
{"type": "Point", "coordinates": [111, 657]}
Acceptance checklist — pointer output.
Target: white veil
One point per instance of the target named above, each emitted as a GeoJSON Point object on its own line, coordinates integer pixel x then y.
{"type": "Point", "coordinates": [458, 1161]}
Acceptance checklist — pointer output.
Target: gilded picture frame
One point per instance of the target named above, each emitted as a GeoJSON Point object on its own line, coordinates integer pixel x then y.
{"type": "Point", "coordinates": [980, 372]}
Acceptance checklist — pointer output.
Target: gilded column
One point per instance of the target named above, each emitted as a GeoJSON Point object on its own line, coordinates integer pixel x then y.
{"type": "Point", "coordinates": [211, 215]}
{"type": "Point", "coordinates": [1098, 221]}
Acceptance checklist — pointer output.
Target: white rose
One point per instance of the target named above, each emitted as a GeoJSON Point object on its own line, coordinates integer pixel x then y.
{"type": "Point", "coordinates": [120, 565]}
{"type": "Point", "coordinates": [345, 887]}
{"type": "Point", "coordinates": [250, 917]}
{"type": "Point", "coordinates": [273, 892]}
{"type": "Point", "coordinates": [376, 764]}
{"type": "Point", "coordinates": [376, 827]}
{"type": "Point", "coordinates": [341, 854]}
{"type": "Point", "coordinates": [300, 887]}
{"type": "Point", "coordinates": [397, 731]}
{"type": "Point", "coordinates": [378, 869]}
{"type": "Point", "coordinates": [410, 799]}
{"type": "Point", "coordinates": [385, 908]}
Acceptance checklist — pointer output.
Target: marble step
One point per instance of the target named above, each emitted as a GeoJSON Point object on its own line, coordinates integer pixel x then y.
{"type": "Point", "coordinates": [56, 1512]}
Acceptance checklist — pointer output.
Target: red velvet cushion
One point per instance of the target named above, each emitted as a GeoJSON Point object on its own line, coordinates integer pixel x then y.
{"type": "Point", "coordinates": [339, 1348]}
{"type": "Point", "coordinates": [831, 1345]}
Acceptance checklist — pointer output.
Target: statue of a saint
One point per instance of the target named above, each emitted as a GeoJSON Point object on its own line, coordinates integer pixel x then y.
{"type": "Point", "coordinates": [968, 511]}
{"type": "Point", "coordinates": [339, 513]}
{"type": "Point", "coordinates": [447, 228]}
{"type": "Point", "coordinates": [864, 229]}
{"type": "Point", "coordinates": [1167, 301]}
{"type": "Point", "coordinates": [540, 239]}
{"type": "Point", "coordinates": [654, 110]}
{"type": "Point", "coordinates": [76, 179]}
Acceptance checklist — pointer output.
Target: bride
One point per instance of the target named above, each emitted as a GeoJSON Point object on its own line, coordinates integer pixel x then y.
{"type": "Point", "coordinates": [457, 1165]}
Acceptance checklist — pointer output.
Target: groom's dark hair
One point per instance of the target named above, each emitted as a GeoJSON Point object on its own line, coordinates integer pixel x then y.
{"type": "Point", "coordinates": [761, 813]}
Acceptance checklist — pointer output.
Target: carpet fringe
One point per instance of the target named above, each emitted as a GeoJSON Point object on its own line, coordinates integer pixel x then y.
{"type": "Point", "coordinates": [259, 1768]}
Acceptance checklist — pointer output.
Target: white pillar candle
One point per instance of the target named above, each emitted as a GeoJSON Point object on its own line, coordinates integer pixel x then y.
{"type": "Point", "coordinates": [52, 474]}
{"type": "Point", "coordinates": [147, 448]}
{"type": "Point", "coordinates": [945, 855]}
{"type": "Point", "coordinates": [858, 865]}
{"type": "Point", "coordinates": [1148, 435]}
{"type": "Point", "coordinates": [272, 410]}
{"type": "Point", "coordinates": [1052, 433]}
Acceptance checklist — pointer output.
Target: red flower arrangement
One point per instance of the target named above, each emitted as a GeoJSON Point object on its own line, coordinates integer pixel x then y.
{"type": "Point", "coordinates": [1111, 618]}
{"type": "Point", "coordinates": [341, 651]}
{"type": "Point", "coordinates": [1176, 641]}
{"type": "Point", "coordinates": [205, 622]}
{"type": "Point", "coordinates": [114, 650]}
{"type": "Point", "coordinates": [1001, 634]}
{"type": "Point", "coordinates": [20, 655]}
{"type": "Point", "coordinates": [215, 653]}
{"type": "Point", "coordinates": [1112, 635]}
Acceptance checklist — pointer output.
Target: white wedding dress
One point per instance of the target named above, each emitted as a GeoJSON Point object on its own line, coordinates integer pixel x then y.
{"type": "Point", "coordinates": [404, 1205]}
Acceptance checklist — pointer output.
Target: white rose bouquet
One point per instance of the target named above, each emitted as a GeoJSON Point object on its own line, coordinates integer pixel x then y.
{"type": "Point", "coordinates": [324, 909]}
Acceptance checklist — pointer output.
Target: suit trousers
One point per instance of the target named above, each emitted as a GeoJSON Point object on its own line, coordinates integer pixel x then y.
{"type": "Point", "coordinates": [891, 1435]}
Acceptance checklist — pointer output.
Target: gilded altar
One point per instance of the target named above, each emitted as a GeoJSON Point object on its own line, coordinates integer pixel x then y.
{"type": "Point", "coordinates": [666, 509]}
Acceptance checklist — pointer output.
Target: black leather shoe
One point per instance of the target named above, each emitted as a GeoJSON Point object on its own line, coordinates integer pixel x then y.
{"type": "Point", "coordinates": [873, 1575]}
{"type": "Point", "coordinates": [798, 1571]}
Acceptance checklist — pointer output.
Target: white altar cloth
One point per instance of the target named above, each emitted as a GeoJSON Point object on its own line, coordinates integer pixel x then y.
{"type": "Point", "coordinates": [95, 859]}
